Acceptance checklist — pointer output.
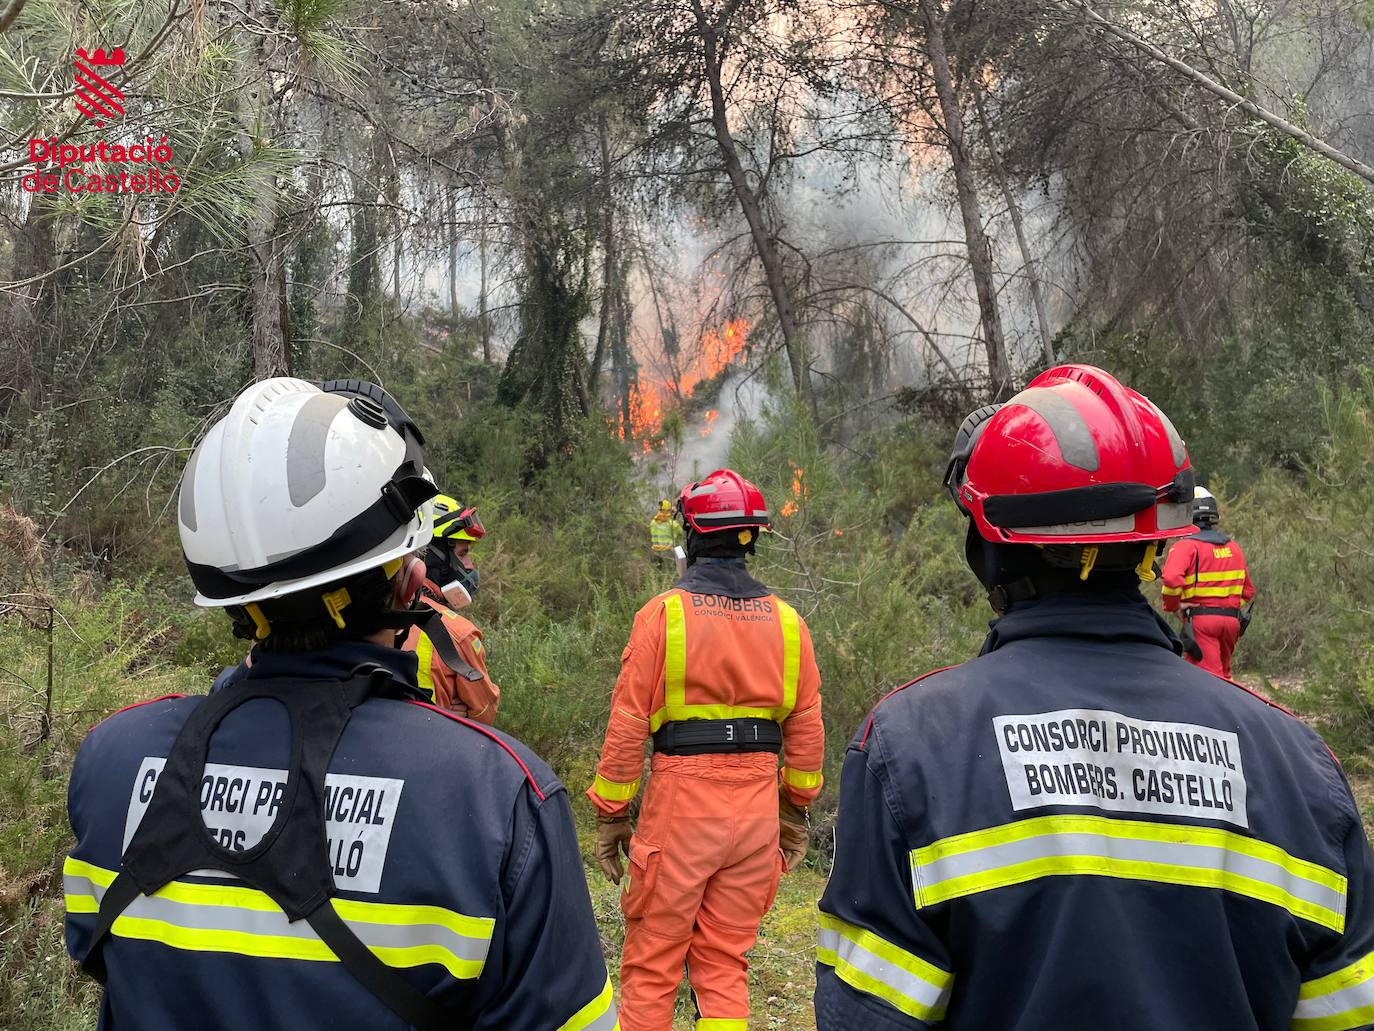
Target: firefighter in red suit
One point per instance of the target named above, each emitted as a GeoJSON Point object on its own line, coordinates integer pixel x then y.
{"type": "Point", "coordinates": [1206, 581]}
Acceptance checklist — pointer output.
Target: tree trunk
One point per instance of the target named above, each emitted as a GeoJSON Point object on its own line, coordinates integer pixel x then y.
{"type": "Point", "coordinates": [393, 196]}
{"type": "Point", "coordinates": [979, 251]}
{"type": "Point", "coordinates": [267, 259]}
{"type": "Point", "coordinates": [482, 323]}
{"type": "Point", "coordinates": [452, 210]}
{"type": "Point", "coordinates": [764, 244]}
{"type": "Point", "coordinates": [608, 253]}
{"type": "Point", "coordinates": [1018, 225]}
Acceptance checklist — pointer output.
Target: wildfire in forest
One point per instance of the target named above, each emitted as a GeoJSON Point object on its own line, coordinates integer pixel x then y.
{"type": "Point", "coordinates": [651, 400]}
{"type": "Point", "coordinates": [797, 494]}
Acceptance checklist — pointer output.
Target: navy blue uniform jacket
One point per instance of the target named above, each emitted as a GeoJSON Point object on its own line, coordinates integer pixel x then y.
{"type": "Point", "coordinates": [1079, 831]}
{"type": "Point", "coordinates": [451, 845]}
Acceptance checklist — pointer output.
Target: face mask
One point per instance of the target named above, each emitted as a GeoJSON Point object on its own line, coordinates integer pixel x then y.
{"type": "Point", "coordinates": [460, 591]}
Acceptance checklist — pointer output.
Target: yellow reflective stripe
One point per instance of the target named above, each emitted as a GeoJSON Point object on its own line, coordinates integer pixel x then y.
{"type": "Point", "coordinates": [791, 654]}
{"type": "Point", "coordinates": [675, 653]}
{"type": "Point", "coordinates": [614, 791]}
{"type": "Point", "coordinates": [1213, 592]}
{"type": "Point", "coordinates": [74, 867]}
{"type": "Point", "coordinates": [185, 915]}
{"type": "Point", "coordinates": [871, 964]}
{"type": "Point", "coordinates": [1171, 591]}
{"type": "Point", "coordinates": [803, 780]}
{"type": "Point", "coordinates": [1357, 973]}
{"type": "Point", "coordinates": [424, 652]}
{"type": "Point", "coordinates": [675, 705]}
{"type": "Point", "coordinates": [597, 1015]}
{"type": "Point", "coordinates": [721, 1024]}
{"type": "Point", "coordinates": [1224, 574]}
{"type": "Point", "coordinates": [1350, 1020]}
{"type": "Point", "coordinates": [1337, 1001]}
{"type": "Point", "coordinates": [1132, 850]}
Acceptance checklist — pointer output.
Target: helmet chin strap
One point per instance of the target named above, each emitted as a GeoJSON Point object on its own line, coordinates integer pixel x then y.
{"type": "Point", "coordinates": [1019, 572]}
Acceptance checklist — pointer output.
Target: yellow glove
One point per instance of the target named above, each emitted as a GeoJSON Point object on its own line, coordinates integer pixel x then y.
{"type": "Point", "coordinates": [794, 833]}
{"type": "Point", "coordinates": [612, 838]}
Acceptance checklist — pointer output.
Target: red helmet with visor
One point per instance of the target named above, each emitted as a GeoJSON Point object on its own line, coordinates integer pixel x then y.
{"type": "Point", "coordinates": [725, 500]}
{"type": "Point", "coordinates": [1075, 457]}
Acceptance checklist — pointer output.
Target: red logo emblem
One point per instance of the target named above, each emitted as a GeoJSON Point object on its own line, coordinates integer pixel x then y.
{"type": "Point", "coordinates": [96, 97]}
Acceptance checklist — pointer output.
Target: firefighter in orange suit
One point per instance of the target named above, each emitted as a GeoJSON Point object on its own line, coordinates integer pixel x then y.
{"type": "Point", "coordinates": [722, 675]}
{"type": "Point", "coordinates": [453, 662]}
{"type": "Point", "coordinates": [1206, 581]}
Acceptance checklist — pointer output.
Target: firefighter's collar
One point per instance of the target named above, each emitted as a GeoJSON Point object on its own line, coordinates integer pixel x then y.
{"type": "Point", "coordinates": [1108, 616]}
{"type": "Point", "coordinates": [727, 576]}
{"type": "Point", "coordinates": [337, 662]}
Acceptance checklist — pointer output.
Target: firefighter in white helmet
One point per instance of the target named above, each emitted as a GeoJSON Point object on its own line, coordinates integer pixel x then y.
{"type": "Point", "coordinates": [311, 845]}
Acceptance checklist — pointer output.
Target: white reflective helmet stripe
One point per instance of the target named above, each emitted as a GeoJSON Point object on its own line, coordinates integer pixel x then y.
{"type": "Point", "coordinates": [1340, 1001]}
{"type": "Point", "coordinates": [871, 964]}
{"type": "Point", "coordinates": [1073, 845]}
{"type": "Point", "coordinates": [244, 921]}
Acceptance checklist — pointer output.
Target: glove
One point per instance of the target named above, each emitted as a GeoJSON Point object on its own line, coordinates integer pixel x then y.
{"type": "Point", "coordinates": [1190, 646]}
{"type": "Point", "coordinates": [794, 833]}
{"type": "Point", "coordinates": [612, 838]}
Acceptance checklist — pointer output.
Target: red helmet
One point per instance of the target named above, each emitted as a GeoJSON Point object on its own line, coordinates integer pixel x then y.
{"type": "Point", "coordinates": [725, 500]}
{"type": "Point", "coordinates": [1075, 457]}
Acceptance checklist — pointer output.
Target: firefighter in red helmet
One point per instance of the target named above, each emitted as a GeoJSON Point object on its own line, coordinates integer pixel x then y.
{"type": "Point", "coordinates": [1075, 830]}
{"type": "Point", "coordinates": [720, 672]}
{"type": "Point", "coordinates": [1206, 581]}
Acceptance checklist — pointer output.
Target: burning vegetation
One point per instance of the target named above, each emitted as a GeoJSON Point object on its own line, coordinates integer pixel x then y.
{"type": "Point", "coordinates": [651, 400]}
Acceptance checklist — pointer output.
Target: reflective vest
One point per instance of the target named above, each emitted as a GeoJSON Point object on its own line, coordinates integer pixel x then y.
{"type": "Point", "coordinates": [487, 916]}
{"type": "Point", "coordinates": [1079, 831]}
{"type": "Point", "coordinates": [717, 646]}
{"type": "Point", "coordinates": [661, 534]}
{"type": "Point", "coordinates": [1206, 569]}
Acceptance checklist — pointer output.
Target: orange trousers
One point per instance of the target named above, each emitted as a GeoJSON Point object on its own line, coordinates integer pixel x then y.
{"type": "Point", "coordinates": [1216, 636]}
{"type": "Point", "coordinates": [704, 869]}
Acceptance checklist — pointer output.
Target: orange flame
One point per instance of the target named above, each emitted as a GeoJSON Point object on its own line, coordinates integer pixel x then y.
{"type": "Point", "coordinates": [798, 494]}
{"type": "Point", "coordinates": [648, 399]}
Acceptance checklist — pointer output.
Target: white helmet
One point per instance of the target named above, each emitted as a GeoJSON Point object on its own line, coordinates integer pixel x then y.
{"type": "Point", "coordinates": [1205, 509]}
{"type": "Point", "coordinates": [296, 488]}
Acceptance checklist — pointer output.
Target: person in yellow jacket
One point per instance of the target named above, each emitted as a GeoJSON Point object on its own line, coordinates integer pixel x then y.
{"type": "Point", "coordinates": [664, 531]}
{"type": "Point", "coordinates": [453, 661]}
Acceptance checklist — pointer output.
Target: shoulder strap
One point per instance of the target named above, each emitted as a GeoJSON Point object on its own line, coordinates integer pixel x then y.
{"type": "Point", "coordinates": [434, 628]}
{"type": "Point", "coordinates": [290, 864]}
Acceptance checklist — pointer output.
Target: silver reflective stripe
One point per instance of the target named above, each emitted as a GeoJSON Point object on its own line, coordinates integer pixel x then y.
{"type": "Point", "coordinates": [929, 997]}
{"type": "Point", "coordinates": [187, 502]}
{"type": "Point", "coordinates": [1070, 430]}
{"type": "Point", "coordinates": [305, 473]}
{"type": "Point", "coordinates": [606, 1022]}
{"type": "Point", "coordinates": [1171, 853]}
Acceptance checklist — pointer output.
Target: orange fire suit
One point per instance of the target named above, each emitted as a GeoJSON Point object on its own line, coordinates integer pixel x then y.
{"type": "Point", "coordinates": [1207, 581]}
{"type": "Point", "coordinates": [463, 685]}
{"type": "Point", "coordinates": [704, 860]}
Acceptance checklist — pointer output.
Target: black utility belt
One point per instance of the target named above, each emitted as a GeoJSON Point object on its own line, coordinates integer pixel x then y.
{"type": "Point", "coordinates": [706, 737]}
{"type": "Point", "coordinates": [1200, 611]}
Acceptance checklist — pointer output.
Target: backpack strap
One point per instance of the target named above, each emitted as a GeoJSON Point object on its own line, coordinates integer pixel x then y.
{"type": "Point", "coordinates": [290, 864]}
{"type": "Point", "coordinates": [433, 627]}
